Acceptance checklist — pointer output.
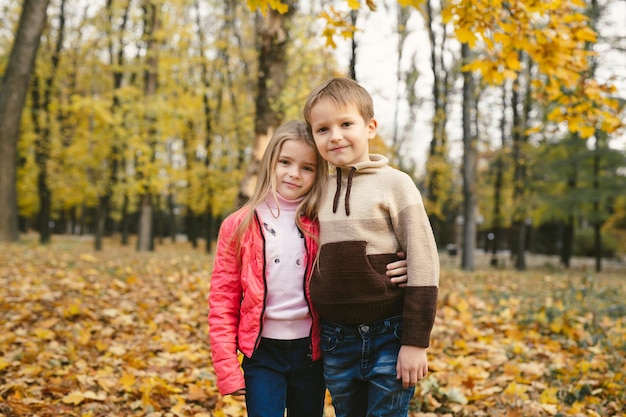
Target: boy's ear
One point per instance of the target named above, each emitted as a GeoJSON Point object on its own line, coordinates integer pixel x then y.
{"type": "Point", "coordinates": [372, 127]}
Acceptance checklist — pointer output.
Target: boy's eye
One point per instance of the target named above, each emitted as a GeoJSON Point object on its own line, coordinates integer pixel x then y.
{"type": "Point", "coordinates": [347, 124]}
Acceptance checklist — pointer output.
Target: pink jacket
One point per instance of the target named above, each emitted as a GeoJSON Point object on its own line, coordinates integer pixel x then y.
{"type": "Point", "coordinates": [237, 298]}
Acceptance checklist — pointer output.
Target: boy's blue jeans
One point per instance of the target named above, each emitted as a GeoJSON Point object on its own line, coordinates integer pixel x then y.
{"type": "Point", "coordinates": [360, 368]}
{"type": "Point", "coordinates": [281, 375]}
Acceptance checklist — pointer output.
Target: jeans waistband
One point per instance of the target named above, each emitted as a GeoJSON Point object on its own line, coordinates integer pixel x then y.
{"type": "Point", "coordinates": [369, 327]}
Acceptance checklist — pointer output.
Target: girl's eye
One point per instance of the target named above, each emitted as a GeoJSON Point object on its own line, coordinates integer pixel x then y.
{"type": "Point", "coordinates": [283, 162]}
{"type": "Point", "coordinates": [310, 169]}
{"type": "Point", "coordinates": [322, 130]}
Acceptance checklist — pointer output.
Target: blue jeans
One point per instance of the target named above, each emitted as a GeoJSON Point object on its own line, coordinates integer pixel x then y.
{"type": "Point", "coordinates": [360, 368]}
{"type": "Point", "coordinates": [281, 375]}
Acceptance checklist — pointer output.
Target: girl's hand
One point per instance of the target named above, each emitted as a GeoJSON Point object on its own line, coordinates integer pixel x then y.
{"type": "Point", "coordinates": [238, 393]}
{"type": "Point", "coordinates": [397, 271]}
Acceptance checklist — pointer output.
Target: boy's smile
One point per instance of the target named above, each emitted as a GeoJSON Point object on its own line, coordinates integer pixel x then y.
{"type": "Point", "coordinates": [341, 134]}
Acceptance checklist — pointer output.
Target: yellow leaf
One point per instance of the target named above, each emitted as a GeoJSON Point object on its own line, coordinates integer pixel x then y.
{"type": "Point", "coordinates": [512, 61]}
{"type": "Point", "coordinates": [84, 336]}
{"type": "Point", "coordinates": [517, 390]}
{"type": "Point", "coordinates": [71, 311]}
{"type": "Point", "coordinates": [4, 364]}
{"type": "Point", "coordinates": [87, 257]}
{"type": "Point", "coordinates": [279, 6]}
{"type": "Point", "coordinates": [178, 410]}
{"type": "Point", "coordinates": [177, 348]}
{"type": "Point", "coordinates": [557, 325]}
{"type": "Point", "coordinates": [585, 34]}
{"type": "Point", "coordinates": [196, 393]}
{"type": "Point", "coordinates": [127, 380]}
{"type": "Point", "coordinates": [413, 3]}
{"type": "Point", "coordinates": [466, 36]}
{"type": "Point", "coordinates": [586, 131]}
{"type": "Point", "coordinates": [101, 396]}
{"type": "Point", "coordinates": [44, 334]}
{"type": "Point", "coordinates": [548, 396]}
{"type": "Point", "coordinates": [117, 350]}
{"type": "Point", "coordinates": [74, 397]}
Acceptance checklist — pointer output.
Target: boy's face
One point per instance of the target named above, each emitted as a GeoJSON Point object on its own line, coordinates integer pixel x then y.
{"type": "Point", "coordinates": [341, 134]}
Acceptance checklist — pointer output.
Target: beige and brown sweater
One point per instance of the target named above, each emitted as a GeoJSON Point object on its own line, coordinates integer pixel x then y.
{"type": "Point", "coordinates": [372, 212]}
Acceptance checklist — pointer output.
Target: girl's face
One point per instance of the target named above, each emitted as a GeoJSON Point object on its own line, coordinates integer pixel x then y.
{"type": "Point", "coordinates": [295, 169]}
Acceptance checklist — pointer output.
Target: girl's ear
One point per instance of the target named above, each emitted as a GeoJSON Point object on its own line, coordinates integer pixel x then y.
{"type": "Point", "coordinates": [372, 128]}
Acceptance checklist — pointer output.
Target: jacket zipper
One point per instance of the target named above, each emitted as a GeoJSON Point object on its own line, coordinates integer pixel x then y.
{"type": "Point", "coordinates": [308, 269]}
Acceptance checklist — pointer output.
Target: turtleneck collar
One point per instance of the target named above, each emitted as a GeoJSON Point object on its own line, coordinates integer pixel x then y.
{"type": "Point", "coordinates": [283, 203]}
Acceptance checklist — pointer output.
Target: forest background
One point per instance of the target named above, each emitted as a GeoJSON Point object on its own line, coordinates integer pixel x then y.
{"type": "Point", "coordinates": [149, 117]}
{"type": "Point", "coordinates": [138, 124]}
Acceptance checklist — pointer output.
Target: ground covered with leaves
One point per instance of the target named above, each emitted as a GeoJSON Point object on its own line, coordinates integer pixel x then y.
{"type": "Point", "coordinates": [121, 333]}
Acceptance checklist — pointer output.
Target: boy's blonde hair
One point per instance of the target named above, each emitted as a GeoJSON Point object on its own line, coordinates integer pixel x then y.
{"type": "Point", "coordinates": [266, 183]}
{"type": "Point", "coordinates": [343, 92]}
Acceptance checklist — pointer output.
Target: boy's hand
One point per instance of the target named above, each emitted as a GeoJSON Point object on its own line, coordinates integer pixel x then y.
{"type": "Point", "coordinates": [412, 365]}
{"type": "Point", "coordinates": [397, 271]}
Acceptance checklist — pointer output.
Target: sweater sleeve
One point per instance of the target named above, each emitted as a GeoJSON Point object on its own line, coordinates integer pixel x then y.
{"type": "Point", "coordinates": [415, 235]}
{"type": "Point", "coordinates": [224, 307]}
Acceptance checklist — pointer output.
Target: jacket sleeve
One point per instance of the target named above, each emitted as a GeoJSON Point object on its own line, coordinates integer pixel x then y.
{"type": "Point", "coordinates": [224, 307]}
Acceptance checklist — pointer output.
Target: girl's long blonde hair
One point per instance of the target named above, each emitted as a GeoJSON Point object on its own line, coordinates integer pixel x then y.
{"type": "Point", "coordinates": [266, 182]}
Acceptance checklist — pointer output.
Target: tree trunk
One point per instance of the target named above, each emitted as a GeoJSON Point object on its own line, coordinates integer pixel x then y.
{"type": "Point", "coordinates": [437, 164]}
{"type": "Point", "coordinates": [354, 14]}
{"type": "Point", "coordinates": [568, 240]}
{"type": "Point", "coordinates": [12, 97]}
{"type": "Point", "coordinates": [116, 61]}
{"type": "Point", "coordinates": [597, 215]}
{"type": "Point", "coordinates": [191, 224]}
{"type": "Point", "coordinates": [171, 217]}
{"type": "Point", "coordinates": [273, 36]}
{"type": "Point", "coordinates": [145, 240]}
{"type": "Point", "coordinates": [125, 220]}
{"type": "Point", "coordinates": [497, 191]}
{"type": "Point", "coordinates": [469, 170]}
{"type": "Point", "coordinates": [41, 106]}
{"type": "Point", "coordinates": [145, 235]}
{"type": "Point", "coordinates": [519, 181]}
{"type": "Point", "coordinates": [209, 227]}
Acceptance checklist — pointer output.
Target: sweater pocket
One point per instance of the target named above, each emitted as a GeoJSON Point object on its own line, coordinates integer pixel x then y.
{"type": "Point", "coordinates": [351, 286]}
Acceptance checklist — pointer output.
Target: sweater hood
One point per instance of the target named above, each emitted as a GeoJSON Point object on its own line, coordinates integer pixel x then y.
{"type": "Point", "coordinates": [376, 162]}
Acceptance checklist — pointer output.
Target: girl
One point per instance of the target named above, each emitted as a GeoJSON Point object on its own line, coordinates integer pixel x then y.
{"type": "Point", "coordinates": [259, 301]}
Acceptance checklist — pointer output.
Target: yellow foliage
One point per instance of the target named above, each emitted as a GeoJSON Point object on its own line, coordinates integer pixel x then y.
{"type": "Point", "coordinates": [265, 5]}
{"type": "Point", "coordinates": [465, 35]}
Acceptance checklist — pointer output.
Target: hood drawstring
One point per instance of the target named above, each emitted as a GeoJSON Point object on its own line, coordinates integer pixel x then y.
{"type": "Point", "coordinates": [338, 191]}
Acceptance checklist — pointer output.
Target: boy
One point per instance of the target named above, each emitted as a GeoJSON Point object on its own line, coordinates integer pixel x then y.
{"type": "Point", "coordinates": [374, 334]}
